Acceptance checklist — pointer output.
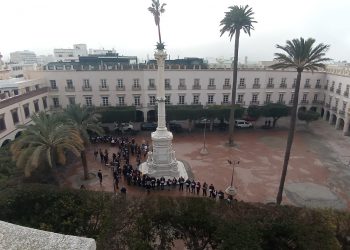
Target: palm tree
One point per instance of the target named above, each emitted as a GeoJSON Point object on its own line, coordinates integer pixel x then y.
{"type": "Point", "coordinates": [46, 140]}
{"type": "Point", "coordinates": [239, 17]}
{"type": "Point", "coordinates": [302, 55]}
{"type": "Point", "coordinates": [83, 120]}
{"type": "Point", "coordinates": [156, 9]}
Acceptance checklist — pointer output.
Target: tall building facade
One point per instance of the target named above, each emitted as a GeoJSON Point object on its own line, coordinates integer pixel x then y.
{"type": "Point", "coordinates": [23, 57]}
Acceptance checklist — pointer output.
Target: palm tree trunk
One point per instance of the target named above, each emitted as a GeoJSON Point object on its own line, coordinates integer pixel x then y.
{"type": "Point", "coordinates": [159, 36]}
{"type": "Point", "coordinates": [290, 138]}
{"type": "Point", "coordinates": [84, 162]}
{"type": "Point", "coordinates": [234, 87]}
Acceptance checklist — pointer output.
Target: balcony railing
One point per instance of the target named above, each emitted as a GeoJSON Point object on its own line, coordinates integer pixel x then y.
{"type": "Point", "coordinates": [211, 87]}
{"type": "Point", "coordinates": [334, 109]}
{"type": "Point", "coordinates": [86, 88]}
{"type": "Point", "coordinates": [136, 88]}
{"type": "Point", "coordinates": [104, 88]}
{"type": "Point", "coordinates": [167, 87]}
{"type": "Point", "coordinates": [69, 89]}
{"type": "Point", "coordinates": [254, 102]}
{"type": "Point", "coordinates": [121, 88]}
{"type": "Point", "coordinates": [267, 102]}
{"type": "Point", "coordinates": [281, 102]}
{"type": "Point", "coordinates": [318, 86]}
{"type": "Point", "coordinates": [242, 86]}
{"type": "Point", "coordinates": [53, 89]}
{"type": "Point", "coordinates": [256, 86]}
{"type": "Point", "coordinates": [328, 105]}
{"type": "Point", "coordinates": [346, 93]}
{"type": "Point", "coordinates": [196, 103]}
{"type": "Point", "coordinates": [318, 102]}
{"type": "Point", "coordinates": [196, 87]}
{"type": "Point", "coordinates": [338, 91]}
{"type": "Point", "coordinates": [228, 86]}
{"type": "Point", "coordinates": [184, 103]}
{"type": "Point", "coordinates": [270, 86]}
{"type": "Point", "coordinates": [240, 103]}
{"type": "Point", "coordinates": [283, 86]}
{"type": "Point", "coordinates": [331, 89]}
{"type": "Point", "coordinates": [152, 87]}
{"type": "Point", "coordinates": [211, 103]}
{"type": "Point", "coordinates": [121, 104]}
{"type": "Point", "coordinates": [151, 104]}
{"type": "Point", "coordinates": [341, 112]}
{"type": "Point", "coordinates": [304, 102]}
{"type": "Point", "coordinates": [307, 86]}
{"type": "Point", "coordinates": [326, 87]}
{"type": "Point", "coordinates": [181, 87]}
{"type": "Point", "coordinates": [55, 107]}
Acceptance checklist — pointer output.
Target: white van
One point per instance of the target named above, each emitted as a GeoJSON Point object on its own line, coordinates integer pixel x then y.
{"type": "Point", "coordinates": [243, 124]}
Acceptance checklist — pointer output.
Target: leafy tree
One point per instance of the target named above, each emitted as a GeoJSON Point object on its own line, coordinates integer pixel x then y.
{"type": "Point", "coordinates": [156, 9]}
{"type": "Point", "coordinates": [254, 111]}
{"type": "Point", "coordinates": [302, 55]}
{"type": "Point", "coordinates": [308, 116]}
{"type": "Point", "coordinates": [276, 111]}
{"type": "Point", "coordinates": [115, 114]}
{"type": "Point", "coordinates": [84, 121]}
{"type": "Point", "coordinates": [46, 140]}
{"type": "Point", "coordinates": [236, 19]}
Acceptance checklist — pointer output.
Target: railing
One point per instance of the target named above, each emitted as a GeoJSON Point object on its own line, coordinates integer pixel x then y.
{"type": "Point", "coordinates": [120, 88]}
{"type": "Point", "coordinates": [184, 103]}
{"type": "Point", "coordinates": [328, 105]}
{"type": "Point", "coordinates": [136, 88]}
{"type": "Point", "coordinates": [331, 89]}
{"type": "Point", "coordinates": [226, 86]}
{"type": "Point", "coordinates": [211, 103]}
{"type": "Point", "coordinates": [106, 88]}
{"type": "Point", "coordinates": [334, 109]}
{"type": "Point", "coordinates": [256, 86]}
{"type": "Point", "coordinates": [196, 87]}
{"type": "Point", "coordinates": [281, 102]}
{"type": "Point", "coordinates": [242, 86]}
{"type": "Point", "coordinates": [325, 87]}
{"type": "Point", "coordinates": [69, 89]}
{"type": "Point", "coordinates": [254, 102]}
{"type": "Point", "coordinates": [152, 87]}
{"type": "Point", "coordinates": [211, 87]}
{"type": "Point", "coordinates": [307, 86]}
{"type": "Point", "coordinates": [121, 104]}
{"type": "Point", "coordinates": [53, 89]}
{"type": "Point", "coordinates": [341, 112]}
{"type": "Point", "coordinates": [304, 102]}
{"type": "Point", "coordinates": [270, 86]}
{"type": "Point", "coordinates": [181, 87]}
{"type": "Point", "coordinates": [283, 86]}
{"type": "Point", "coordinates": [267, 102]}
{"type": "Point", "coordinates": [55, 107]}
{"type": "Point", "coordinates": [225, 103]}
{"type": "Point", "coordinates": [151, 104]}
{"type": "Point", "coordinates": [196, 103]}
{"type": "Point", "coordinates": [318, 86]}
{"type": "Point", "coordinates": [337, 91]}
{"type": "Point", "coordinates": [105, 105]}
{"type": "Point", "coordinates": [319, 102]}
{"type": "Point", "coordinates": [86, 88]}
{"type": "Point", "coordinates": [167, 87]}
{"type": "Point", "coordinates": [240, 102]}
{"type": "Point", "coordinates": [346, 93]}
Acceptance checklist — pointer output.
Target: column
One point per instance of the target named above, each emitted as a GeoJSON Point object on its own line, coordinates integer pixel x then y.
{"type": "Point", "coordinates": [161, 56]}
{"type": "Point", "coordinates": [346, 126]}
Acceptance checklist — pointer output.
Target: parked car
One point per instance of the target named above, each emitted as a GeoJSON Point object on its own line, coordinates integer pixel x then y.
{"type": "Point", "coordinates": [124, 127]}
{"type": "Point", "coordinates": [243, 124]}
{"type": "Point", "coordinates": [175, 127]}
{"type": "Point", "coordinates": [150, 126]}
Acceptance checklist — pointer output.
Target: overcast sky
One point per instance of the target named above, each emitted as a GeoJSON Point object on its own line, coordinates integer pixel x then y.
{"type": "Point", "coordinates": [190, 28]}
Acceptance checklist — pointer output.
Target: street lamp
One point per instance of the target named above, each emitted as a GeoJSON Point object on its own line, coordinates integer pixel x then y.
{"type": "Point", "coordinates": [231, 190]}
{"type": "Point", "coordinates": [204, 150]}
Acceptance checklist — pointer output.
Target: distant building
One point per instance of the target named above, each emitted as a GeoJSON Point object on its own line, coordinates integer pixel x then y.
{"type": "Point", "coordinates": [101, 51]}
{"type": "Point", "coordinates": [67, 55]}
{"type": "Point", "coordinates": [23, 57]}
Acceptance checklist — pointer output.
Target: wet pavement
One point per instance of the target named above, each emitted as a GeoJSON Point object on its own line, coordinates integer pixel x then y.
{"type": "Point", "coordinates": [320, 156]}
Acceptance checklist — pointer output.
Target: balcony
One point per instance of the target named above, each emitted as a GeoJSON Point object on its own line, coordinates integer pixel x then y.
{"type": "Point", "coordinates": [325, 87]}
{"type": "Point", "coordinates": [196, 87]}
{"type": "Point", "coordinates": [267, 102]}
{"type": "Point", "coordinates": [281, 102]}
{"type": "Point", "coordinates": [317, 102]}
{"type": "Point", "coordinates": [341, 112]}
{"type": "Point", "coordinates": [121, 104]}
{"type": "Point", "coordinates": [168, 103]}
{"type": "Point", "coordinates": [196, 103]}
{"type": "Point", "coordinates": [167, 87]}
{"type": "Point", "coordinates": [152, 87]}
{"type": "Point", "coordinates": [55, 107]}
{"type": "Point", "coordinates": [70, 89]}
{"type": "Point", "coordinates": [242, 86]}
{"type": "Point", "coordinates": [328, 105]}
{"type": "Point", "coordinates": [184, 103]}
{"type": "Point", "coordinates": [225, 103]}
{"type": "Point", "coordinates": [331, 89]}
{"type": "Point", "coordinates": [136, 88]}
{"type": "Point", "coordinates": [104, 88]}
{"type": "Point", "coordinates": [211, 103]}
{"type": "Point", "coordinates": [346, 93]}
{"type": "Point", "coordinates": [256, 86]}
{"type": "Point", "coordinates": [121, 88]}
{"type": "Point", "coordinates": [55, 89]}
{"type": "Point", "coordinates": [334, 109]}
{"type": "Point", "coordinates": [318, 86]}
{"type": "Point", "coordinates": [254, 102]}
{"type": "Point", "coordinates": [227, 86]}
{"type": "Point", "coordinates": [270, 86]}
{"type": "Point", "coordinates": [86, 88]}
{"type": "Point", "coordinates": [304, 102]}
{"type": "Point", "coordinates": [181, 87]}
{"type": "Point", "coordinates": [307, 86]}
{"type": "Point", "coordinates": [211, 87]}
{"type": "Point", "coordinates": [338, 91]}
{"type": "Point", "coordinates": [283, 86]}
{"type": "Point", "coordinates": [151, 104]}
{"type": "Point", "coordinates": [105, 105]}
{"type": "Point", "coordinates": [240, 102]}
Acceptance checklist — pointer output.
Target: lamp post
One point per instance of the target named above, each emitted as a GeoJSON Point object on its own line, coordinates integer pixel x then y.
{"type": "Point", "coordinates": [231, 190]}
{"type": "Point", "coordinates": [204, 150]}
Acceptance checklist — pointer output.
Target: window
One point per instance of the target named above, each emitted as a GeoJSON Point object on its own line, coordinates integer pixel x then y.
{"type": "Point", "coordinates": [36, 105]}
{"type": "Point", "coordinates": [121, 100]}
{"type": "Point", "coordinates": [304, 97]}
{"type": "Point", "coordinates": [225, 99]}
{"type": "Point", "coordinates": [227, 82]}
{"type": "Point", "coordinates": [167, 83]}
{"type": "Point", "coordinates": [36, 86]}
{"type": "Point", "coordinates": [88, 101]}
{"type": "Point", "coordinates": [256, 81]}
{"type": "Point", "coordinates": [254, 98]}
{"type": "Point", "coordinates": [336, 103]}
{"type": "Point", "coordinates": [294, 82]}
{"type": "Point", "coordinates": [315, 97]}
{"type": "Point", "coordinates": [44, 99]}
{"type": "Point", "coordinates": [181, 99]}
{"type": "Point", "coordinates": [330, 99]}
{"type": "Point", "coordinates": [71, 100]}
{"type": "Point", "coordinates": [211, 82]}
{"type": "Point", "coordinates": [27, 90]}
{"type": "Point", "coordinates": [292, 98]}
{"type": "Point", "coordinates": [53, 84]}
{"type": "Point", "coordinates": [210, 99]}
{"type": "Point", "coordinates": [318, 82]}
{"type": "Point", "coordinates": [270, 81]}
{"type": "Point", "coordinates": [344, 106]}
{"type": "Point", "coordinates": [280, 97]}
{"type": "Point", "coordinates": [241, 82]}
{"type": "Point", "coordinates": [137, 100]}
{"type": "Point", "coordinates": [26, 110]}
{"type": "Point", "coordinates": [196, 82]}
{"type": "Point", "coordinates": [56, 102]}
{"type": "Point", "coordinates": [104, 84]}
{"type": "Point", "coordinates": [167, 99]}
{"type": "Point", "coordinates": [86, 83]}
{"type": "Point", "coordinates": [182, 82]}
{"type": "Point", "coordinates": [2, 123]}
{"type": "Point", "coordinates": [195, 99]}
{"type": "Point", "coordinates": [105, 101]}
{"type": "Point", "coordinates": [136, 83]}
{"type": "Point", "coordinates": [151, 83]}
{"type": "Point", "coordinates": [70, 84]}
{"type": "Point", "coordinates": [120, 83]}
{"type": "Point", "coordinates": [347, 88]}
{"type": "Point", "coordinates": [240, 98]}
{"type": "Point", "coordinates": [339, 85]}
{"type": "Point", "coordinates": [152, 100]}
{"type": "Point", "coordinates": [15, 91]}
{"type": "Point", "coordinates": [283, 81]}
{"type": "Point", "coordinates": [15, 116]}
{"type": "Point", "coordinates": [307, 81]}
{"type": "Point", "coordinates": [268, 97]}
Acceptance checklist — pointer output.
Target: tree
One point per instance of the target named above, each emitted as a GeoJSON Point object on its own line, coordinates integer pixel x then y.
{"type": "Point", "coordinates": [276, 111]}
{"type": "Point", "coordinates": [156, 9]}
{"type": "Point", "coordinates": [117, 114]}
{"type": "Point", "coordinates": [84, 121]}
{"type": "Point", "coordinates": [308, 116]}
{"type": "Point", "coordinates": [239, 17]}
{"type": "Point", "coordinates": [302, 55]}
{"type": "Point", "coordinates": [254, 111]}
{"type": "Point", "coordinates": [46, 140]}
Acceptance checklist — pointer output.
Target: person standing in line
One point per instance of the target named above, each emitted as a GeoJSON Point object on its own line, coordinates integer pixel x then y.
{"type": "Point", "coordinates": [204, 187]}
{"type": "Point", "coordinates": [181, 183]}
{"type": "Point", "coordinates": [188, 183]}
{"type": "Point", "coordinates": [99, 174]}
{"type": "Point", "coordinates": [198, 187]}
{"type": "Point", "coordinates": [211, 189]}
{"type": "Point", "coordinates": [101, 156]}
{"type": "Point", "coordinates": [193, 186]}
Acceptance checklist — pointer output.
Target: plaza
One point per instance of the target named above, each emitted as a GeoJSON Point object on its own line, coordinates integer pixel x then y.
{"type": "Point", "coordinates": [319, 164]}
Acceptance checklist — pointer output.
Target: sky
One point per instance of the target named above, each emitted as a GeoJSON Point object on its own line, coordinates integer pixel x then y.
{"type": "Point", "coordinates": [190, 28]}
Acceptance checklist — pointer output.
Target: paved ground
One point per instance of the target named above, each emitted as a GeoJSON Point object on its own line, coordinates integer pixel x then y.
{"type": "Point", "coordinates": [320, 157]}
